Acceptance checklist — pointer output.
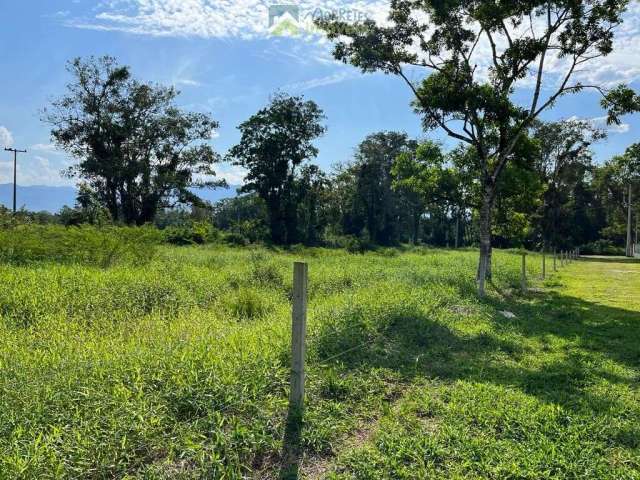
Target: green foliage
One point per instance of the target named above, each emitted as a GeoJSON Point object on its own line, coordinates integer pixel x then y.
{"type": "Point", "coordinates": [87, 245]}
{"type": "Point", "coordinates": [275, 142]}
{"type": "Point", "coordinates": [247, 304]}
{"type": "Point", "coordinates": [480, 106]}
{"type": "Point", "coordinates": [601, 247]}
{"type": "Point", "coordinates": [136, 150]}
{"type": "Point", "coordinates": [191, 233]}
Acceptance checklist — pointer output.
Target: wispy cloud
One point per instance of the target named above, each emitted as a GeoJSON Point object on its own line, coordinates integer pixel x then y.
{"type": "Point", "coordinates": [249, 19]}
{"type": "Point", "coordinates": [207, 18]}
{"type": "Point", "coordinates": [601, 123]}
{"type": "Point", "coordinates": [37, 170]}
{"type": "Point", "coordinates": [6, 139]}
{"type": "Point", "coordinates": [46, 148]}
{"type": "Point", "coordinates": [233, 174]}
{"type": "Point", "coordinates": [188, 82]}
{"type": "Point", "coordinates": [334, 78]}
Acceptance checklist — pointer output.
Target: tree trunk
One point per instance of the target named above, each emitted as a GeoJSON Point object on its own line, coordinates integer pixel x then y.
{"type": "Point", "coordinates": [277, 226]}
{"type": "Point", "coordinates": [457, 227]}
{"type": "Point", "coordinates": [484, 264]}
{"type": "Point", "coordinates": [416, 226]}
{"type": "Point", "coordinates": [629, 248]}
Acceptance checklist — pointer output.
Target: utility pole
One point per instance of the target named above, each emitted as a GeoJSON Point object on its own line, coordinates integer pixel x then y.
{"type": "Point", "coordinates": [15, 166]}
{"type": "Point", "coordinates": [629, 251]}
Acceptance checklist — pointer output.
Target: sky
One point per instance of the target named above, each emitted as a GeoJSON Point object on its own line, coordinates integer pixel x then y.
{"type": "Point", "coordinates": [226, 59]}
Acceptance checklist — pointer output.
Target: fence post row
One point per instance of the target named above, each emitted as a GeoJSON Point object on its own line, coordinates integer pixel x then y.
{"type": "Point", "coordinates": [298, 334]}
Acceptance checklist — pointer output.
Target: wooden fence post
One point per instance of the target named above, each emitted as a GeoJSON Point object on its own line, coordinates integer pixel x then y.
{"type": "Point", "coordinates": [544, 264]}
{"type": "Point", "coordinates": [298, 334]}
{"type": "Point", "coordinates": [555, 255]}
{"type": "Point", "coordinates": [523, 278]}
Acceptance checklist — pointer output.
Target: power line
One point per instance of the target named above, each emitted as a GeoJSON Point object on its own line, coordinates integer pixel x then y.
{"type": "Point", "coordinates": [15, 161]}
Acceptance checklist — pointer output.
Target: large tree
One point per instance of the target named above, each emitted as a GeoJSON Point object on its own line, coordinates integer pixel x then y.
{"type": "Point", "coordinates": [563, 161]}
{"type": "Point", "coordinates": [627, 169]}
{"type": "Point", "coordinates": [475, 54]}
{"type": "Point", "coordinates": [377, 205]}
{"type": "Point", "coordinates": [134, 147]}
{"type": "Point", "coordinates": [426, 183]}
{"type": "Point", "coordinates": [274, 143]}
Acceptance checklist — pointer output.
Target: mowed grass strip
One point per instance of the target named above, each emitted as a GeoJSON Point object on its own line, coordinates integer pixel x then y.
{"type": "Point", "coordinates": [179, 369]}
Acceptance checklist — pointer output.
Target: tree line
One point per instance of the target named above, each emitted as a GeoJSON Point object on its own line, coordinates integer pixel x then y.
{"type": "Point", "coordinates": [512, 180]}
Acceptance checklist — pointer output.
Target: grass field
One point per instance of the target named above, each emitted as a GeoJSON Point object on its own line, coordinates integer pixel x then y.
{"type": "Point", "coordinates": [179, 368]}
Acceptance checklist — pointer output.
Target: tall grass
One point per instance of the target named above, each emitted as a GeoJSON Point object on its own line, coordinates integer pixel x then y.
{"type": "Point", "coordinates": [105, 246]}
{"type": "Point", "coordinates": [179, 368]}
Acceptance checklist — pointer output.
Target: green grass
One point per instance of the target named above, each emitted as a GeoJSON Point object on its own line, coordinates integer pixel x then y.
{"type": "Point", "coordinates": [179, 368]}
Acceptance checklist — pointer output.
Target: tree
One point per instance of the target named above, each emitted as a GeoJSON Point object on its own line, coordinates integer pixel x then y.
{"type": "Point", "coordinates": [135, 149]}
{"type": "Point", "coordinates": [274, 143]}
{"type": "Point", "coordinates": [88, 209]}
{"type": "Point", "coordinates": [562, 161]}
{"type": "Point", "coordinates": [312, 186]}
{"type": "Point", "coordinates": [472, 101]}
{"type": "Point", "coordinates": [376, 203]}
{"type": "Point", "coordinates": [418, 175]}
{"type": "Point", "coordinates": [628, 171]}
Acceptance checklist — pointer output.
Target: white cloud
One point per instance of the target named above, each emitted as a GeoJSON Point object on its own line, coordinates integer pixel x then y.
{"type": "Point", "coordinates": [212, 18]}
{"type": "Point", "coordinates": [601, 123]}
{"type": "Point", "coordinates": [188, 82]}
{"type": "Point", "coordinates": [36, 170]}
{"type": "Point", "coordinates": [322, 81]}
{"type": "Point", "coordinates": [249, 19]}
{"type": "Point", "coordinates": [233, 174]}
{"type": "Point", "coordinates": [6, 139]}
{"type": "Point", "coordinates": [47, 148]}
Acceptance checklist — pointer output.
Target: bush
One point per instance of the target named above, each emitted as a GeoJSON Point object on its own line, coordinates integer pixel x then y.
{"type": "Point", "coordinates": [235, 239]}
{"type": "Point", "coordinates": [193, 233]}
{"type": "Point", "coordinates": [602, 247]}
{"type": "Point", "coordinates": [103, 247]}
{"type": "Point", "coordinates": [247, 304]}
{"type": "Point", "coordinates": [350, 243]}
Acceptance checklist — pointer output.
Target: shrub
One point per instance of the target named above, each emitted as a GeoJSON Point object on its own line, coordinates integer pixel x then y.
{"type": "Point", "coordinates": [247, 304]}
{"type": "Point", "coordinates": [601, 247]}
{"type": "Point", "coordinates": [235, 239]}
{"type": "Point", "coordinates": [264, 271]}
{"type": "Point", "coordinates": [194, 233]}
{"type": "Point", "coordinates": [350, 243]}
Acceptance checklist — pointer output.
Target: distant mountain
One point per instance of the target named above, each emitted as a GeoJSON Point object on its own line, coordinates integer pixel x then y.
{"type": "Point", "coordinates": [42, 197]}
{"type": "Point", "coordinates": [38, 197]}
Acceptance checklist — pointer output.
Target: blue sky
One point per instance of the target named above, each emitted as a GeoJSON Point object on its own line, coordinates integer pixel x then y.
{"type": "Point", "coordinates": [225, 60]}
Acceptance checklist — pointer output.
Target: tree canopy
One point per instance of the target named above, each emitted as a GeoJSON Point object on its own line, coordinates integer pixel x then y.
{"type": "Point", "coordinates": [135, 149]}
{"type": "Point", "coordinates": [274, 143]}
{"type": "Point", "coordinates": [475, 54]}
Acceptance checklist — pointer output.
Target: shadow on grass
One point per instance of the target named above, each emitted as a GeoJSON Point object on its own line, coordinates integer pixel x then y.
{"type": "Point", "coordinates": [292, 450]}
{"type": "Point", "coordinates": [604, 259]}
{"type": "Point", "coordinates": [413, 344]}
